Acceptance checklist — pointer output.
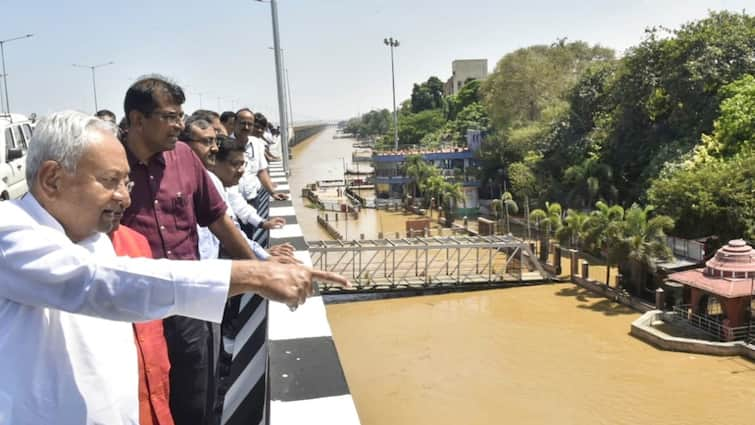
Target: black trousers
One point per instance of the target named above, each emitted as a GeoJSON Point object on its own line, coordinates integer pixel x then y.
{"type": "Point", "coordinates": [192, 352]}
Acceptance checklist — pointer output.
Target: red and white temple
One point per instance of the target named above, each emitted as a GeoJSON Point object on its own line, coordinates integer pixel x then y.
{"type": "Point", "coordinates": [729, 277]}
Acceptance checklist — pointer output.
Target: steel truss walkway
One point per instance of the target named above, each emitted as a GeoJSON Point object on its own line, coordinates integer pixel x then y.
{"type": "Point", "coordinates": [427, 262]}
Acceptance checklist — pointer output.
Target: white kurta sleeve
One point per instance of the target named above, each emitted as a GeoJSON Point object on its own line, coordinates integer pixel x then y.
{"type": "Point", "coordinates": [244, 212]}
{"type": "Point", "coordinates": [41, 267]}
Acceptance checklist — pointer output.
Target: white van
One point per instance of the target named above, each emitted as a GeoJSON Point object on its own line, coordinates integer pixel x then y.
{"type": "Point", "coordinates": [15, 135]}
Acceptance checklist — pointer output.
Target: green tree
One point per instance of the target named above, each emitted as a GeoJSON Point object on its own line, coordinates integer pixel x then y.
{"type": "Point", "coordinates": [589, 180]}
{"type": "Point", "coordinates": [427, 95]}
{"type": "Point", "coordinates": [666, 93]}
{"type": "Point", "coordinates": [433, 186]}
{"type": "Point", "coordinates": [603, 227]}
{"type": "Point", "coordinates": [713, 198]}
{"type": "Point", "coordinates": [413, 127]}
{"type": "Point", "coordinates": [502, 207]}
{"type": "Point", "coordinates": [640, 243]}
{"type": "Point", "coordinates": [530, 80]}
{"type": "Point", "coordinates": [418, 171]}
{"type": "Point", "coordinates": [450, 195]}
{"type": "Point", "coordinates": [575, 228]}
{"type": "Point", "coordinates": [469, 94]}
{"type": "Point", "coordinates": [547, 222]}
{"type": "Point", "coordinates": [709, 191]}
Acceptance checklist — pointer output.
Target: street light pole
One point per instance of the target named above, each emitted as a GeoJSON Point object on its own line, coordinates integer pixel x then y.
{"type": "Point", "coordinates": [287, 87]}
{"type": "Point", "coordinates": [5, 73]}
{"type": "Point", "coordinates": [94, 79]}
{"type": "Point", "coordinates": [2, 97]}
{"type": "Point", "coordinates": [393, 43]}
{"type": "Point", "coordinates": [279, 80]}
{"type": "Point", "coordinates": [290, 102]}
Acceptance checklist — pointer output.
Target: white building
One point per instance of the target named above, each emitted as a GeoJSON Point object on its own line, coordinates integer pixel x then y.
{"type": "Point", "coordinates": [464, 70]}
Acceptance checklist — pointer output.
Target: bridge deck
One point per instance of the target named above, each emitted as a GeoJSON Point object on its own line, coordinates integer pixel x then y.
{"type": "Point", "coordinates": [415, 263]}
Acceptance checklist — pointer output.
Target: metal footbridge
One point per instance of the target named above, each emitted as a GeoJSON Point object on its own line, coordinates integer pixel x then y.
{"type": "Point", "coordinates": [434, 262]}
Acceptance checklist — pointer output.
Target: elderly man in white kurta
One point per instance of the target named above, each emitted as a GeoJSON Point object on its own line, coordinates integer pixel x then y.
{"type": "Point", "coordinates": [67, 353]}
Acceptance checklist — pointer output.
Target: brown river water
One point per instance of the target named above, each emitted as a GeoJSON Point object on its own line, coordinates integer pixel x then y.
{"type": "Point", "coordinates": [550, 354]}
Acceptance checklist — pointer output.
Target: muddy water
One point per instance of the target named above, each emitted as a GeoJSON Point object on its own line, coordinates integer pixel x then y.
{"type": "Point", "coordinates": [322, 157]}
{"type": "Point", "coordinates": [539, 355]}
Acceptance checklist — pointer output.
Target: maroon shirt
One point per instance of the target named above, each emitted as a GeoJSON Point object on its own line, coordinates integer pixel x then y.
{"type": "Point", "coordinates": [172, 194]}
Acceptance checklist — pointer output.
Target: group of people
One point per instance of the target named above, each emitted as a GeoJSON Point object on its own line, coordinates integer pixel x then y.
{"type": "Point", "coordinates": [129, 251]}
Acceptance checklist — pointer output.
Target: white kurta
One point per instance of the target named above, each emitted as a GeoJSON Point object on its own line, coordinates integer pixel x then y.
{"type": "Point", "coordinates": [250, 184]}
{"type": "Point", "coordinates": [67, 353]}
{"type": "Point", "coordinates": [209, 245]}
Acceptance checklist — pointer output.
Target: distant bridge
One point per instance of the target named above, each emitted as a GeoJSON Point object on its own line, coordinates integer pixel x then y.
{"type": "Point", "coordinates": [415, 263]}
{"type": "Point", "coordinates": [305, 130]}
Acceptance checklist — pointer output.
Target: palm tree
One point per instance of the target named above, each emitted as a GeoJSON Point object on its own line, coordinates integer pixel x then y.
{"type": "Point", "coordinates": [575, 229]}
{"type": "Point", "coordinates": [604, 226]}
{"type": "Point", "coordinates": [418, 171]}
{"type": "Point", "coordinates": [450, 195]}
{"type": "Point", "coordinates": [548, 219]}
{"type": "Point", "coordinates": [433, 186]}
{"type": "Point", "coordinates": [505, 204]}
{"type": "Point", "coordinates": [589, 180]}
{"type": "Point", "coordinates": [641, 242]}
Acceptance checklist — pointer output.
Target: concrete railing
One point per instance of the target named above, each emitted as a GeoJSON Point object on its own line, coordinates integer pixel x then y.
{"type": "Point", "coordinates": [306, 382]}
{"type": "Point", "coordinates": [302, 132]}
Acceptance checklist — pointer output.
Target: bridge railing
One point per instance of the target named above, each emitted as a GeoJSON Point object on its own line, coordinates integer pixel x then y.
{"type": "Point", "coordinates": [425, 262]}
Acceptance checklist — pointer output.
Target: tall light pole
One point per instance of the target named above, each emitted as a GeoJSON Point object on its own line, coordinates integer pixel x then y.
{"type": "Point", "coordinates": [287, 88]}
{"type": "Point", "coordinates": [94, 79]}
{"type": "Point", "coordinates": [393, 43]}
{"type": "Point", "coordinates": [290, 102]}
{"type": "Point", "coordinates": [5, 73]}
{"type": "Point", "coordinates": [279, 79]}
{"type": "Point", "coordinates": [2, 97]}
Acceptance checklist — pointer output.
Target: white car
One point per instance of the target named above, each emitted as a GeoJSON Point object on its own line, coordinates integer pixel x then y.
{"type": "Point", "coordinates": [15, 135]}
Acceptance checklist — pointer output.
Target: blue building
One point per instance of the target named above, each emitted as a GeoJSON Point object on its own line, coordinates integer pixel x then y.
{"type": "Point", "coordinates": [455, 163]}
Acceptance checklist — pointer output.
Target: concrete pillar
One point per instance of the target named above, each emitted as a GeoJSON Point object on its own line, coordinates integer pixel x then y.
{"type": "Point", "coordinates": [398, 236]}
{"type": "Point", "coordinates": [557, 258]}
{"type": "Point", "coordinates": [380, 235]}
{"type": "Point", "coordinates": [660, 299]}
{"type": "Point", "coordinates": [326, 218]}
{"type": "Point", "coordinates": [573, 263]}
{"type": "Point", "coordinates": [361, 236]}
{"type": "Point", "coordinates": [544, 248]}
{"type": "Point", "coordinates": [585, 269]}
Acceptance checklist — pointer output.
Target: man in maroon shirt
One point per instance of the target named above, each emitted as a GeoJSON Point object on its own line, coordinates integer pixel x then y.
{"type": "Point", "coordinates": [172, 194]}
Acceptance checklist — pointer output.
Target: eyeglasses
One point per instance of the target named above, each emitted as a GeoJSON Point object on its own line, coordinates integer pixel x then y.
{"type": "Point", "coordinates": [114, 183]}
{"type": "Point", "coordinates": [207, 141]}
{"type": "Point", "coordinates": [170, 117]}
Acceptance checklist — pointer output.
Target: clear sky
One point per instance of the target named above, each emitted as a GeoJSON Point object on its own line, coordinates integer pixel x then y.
{"type": "Point", "coordinates": [337, 63]}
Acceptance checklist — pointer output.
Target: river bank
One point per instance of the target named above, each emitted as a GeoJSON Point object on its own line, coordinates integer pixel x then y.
{"type": "Point", "coordinates": [549, 354]}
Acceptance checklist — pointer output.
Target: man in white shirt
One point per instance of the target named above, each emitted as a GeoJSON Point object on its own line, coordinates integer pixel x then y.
{"type": "Point", "coordinates": [202, 139]}
{"type": "Point", "coordinates": [256, 175]}
{"type": "Point", "coordinates": [66, 301]}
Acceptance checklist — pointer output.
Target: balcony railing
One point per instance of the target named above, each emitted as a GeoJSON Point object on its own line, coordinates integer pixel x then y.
{"type": "Point", "coordinates": [712, 325]}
